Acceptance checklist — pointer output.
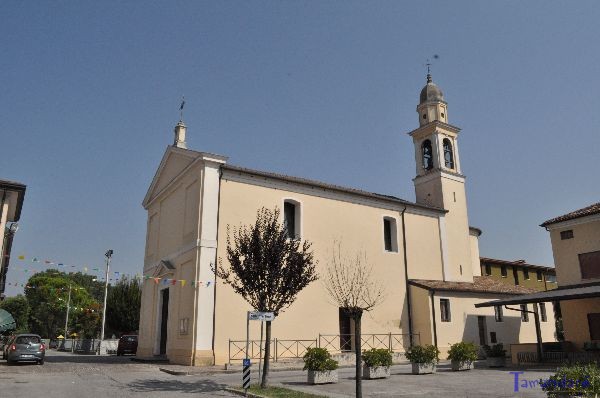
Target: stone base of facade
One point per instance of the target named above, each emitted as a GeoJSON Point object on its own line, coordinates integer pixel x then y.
{"type": "Point", "coordinates": [204, 358]}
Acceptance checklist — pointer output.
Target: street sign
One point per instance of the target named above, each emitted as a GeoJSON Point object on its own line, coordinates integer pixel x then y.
{"type": "Point", "coordinates": [246, 374]}
{"type": "Point", "coordinates": [260, 316]}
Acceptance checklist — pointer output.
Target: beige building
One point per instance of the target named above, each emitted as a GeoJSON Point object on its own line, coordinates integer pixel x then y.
{"type": "Point", "coordinates": [520, 273]}
{"type": "Point", "coordinates": [424, 252]}
{"type": "Point", "coordinates": [12, 195]}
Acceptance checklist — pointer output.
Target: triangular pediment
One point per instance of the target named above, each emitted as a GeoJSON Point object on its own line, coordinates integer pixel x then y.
{"type": "Point", "coordinates": [173, 163]}
{"type": "Point", "coordinates": [163, 268]}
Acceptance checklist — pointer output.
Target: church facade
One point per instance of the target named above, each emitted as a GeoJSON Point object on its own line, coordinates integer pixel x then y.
{"type": "Point", "coordinates": [424, 252]}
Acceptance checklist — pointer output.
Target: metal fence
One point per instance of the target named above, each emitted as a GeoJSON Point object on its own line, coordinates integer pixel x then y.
{"type": "Point", "coordinates": [282, 349]}
{"type": "Point", "coordinates": [558, 357]}
{"type": "Point", "coordinates": [394, 342]}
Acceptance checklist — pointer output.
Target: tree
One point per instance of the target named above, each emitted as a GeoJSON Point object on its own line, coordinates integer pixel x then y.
{"type": "Point", "coordinates": [267, 268]}
{"type": "Point", "coordinates": [350, 285]}
{"type": "Point", "coordinates": [18, 307]}
{"type": "Point", "coordinates": [123, 306]}
{"type": "Point", "coordinates": [47, 295]}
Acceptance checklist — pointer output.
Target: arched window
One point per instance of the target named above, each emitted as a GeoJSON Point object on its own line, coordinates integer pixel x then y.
{"type": "Point", "coordinates": [448, 155]}
{"type": "Point", "coordinates": [427, 155]}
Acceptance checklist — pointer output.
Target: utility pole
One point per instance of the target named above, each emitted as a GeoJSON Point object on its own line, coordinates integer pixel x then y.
{"type": "Point", "coordinates": [67, 317]}
{"type": "Point", "coordinates": [108, 255]}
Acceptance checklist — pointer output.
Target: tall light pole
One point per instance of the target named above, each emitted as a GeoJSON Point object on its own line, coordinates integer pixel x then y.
{"type": "Point", "coordinates": [67, 317]}
{"type": "Point", "coordinates": [108, 255]}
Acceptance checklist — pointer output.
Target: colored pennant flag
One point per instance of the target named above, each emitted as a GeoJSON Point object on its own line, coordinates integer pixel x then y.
{"type": "Point", "coordinates": [156, 280]}
{"type": "Point", "coordinates": [173, 282]}
{"type": "Point", "coordinates": [208, 284]}
{"type": "Point", "coordinates": [21, 257]}
{"type": "Point", "coordinates": [182, 282]}
{"type": "Point", "coordinates": [35, 260]}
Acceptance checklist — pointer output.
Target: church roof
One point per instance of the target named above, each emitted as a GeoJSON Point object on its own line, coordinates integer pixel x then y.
{"type": "Point", "coordinates": [586, 211]}
{"type": "Point", "coordinates": [517, 263]}
{"type": "Point", "coordinates": [480, 284]}
{"type": "Point", "coordinates": [319, 184]}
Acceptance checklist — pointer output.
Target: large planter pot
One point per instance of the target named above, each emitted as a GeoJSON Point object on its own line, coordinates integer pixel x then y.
{"type": "Point", "coordinates": [423, 368]}
{"type": "Point", "coordinates": [495, 362]}
{"type": "Point", "coordinates": [462, 365]}
{"type": "Point", "coordinates": [322, 377]}
{"type": "Point", "coordinates": [376, 372]}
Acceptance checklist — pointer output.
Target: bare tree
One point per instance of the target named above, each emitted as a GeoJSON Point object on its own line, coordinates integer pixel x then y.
{"type": "Point", "coordinates": [267, 268]}
{"type": "Point", "coordinates": [350, 285]}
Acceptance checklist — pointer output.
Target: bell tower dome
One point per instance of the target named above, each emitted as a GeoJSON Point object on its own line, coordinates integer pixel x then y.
{"type": "Point", "coordinates": [431, 104]}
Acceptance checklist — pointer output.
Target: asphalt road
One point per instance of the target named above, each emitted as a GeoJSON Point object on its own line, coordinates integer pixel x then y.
{"type": "Point", "coordinates": [68, 375]}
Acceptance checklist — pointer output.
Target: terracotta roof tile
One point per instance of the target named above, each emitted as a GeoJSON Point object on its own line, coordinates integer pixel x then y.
{"type": "Point", "coordinates": [586, 211]}
{"type": "Point", "coordinates": [481, 284]}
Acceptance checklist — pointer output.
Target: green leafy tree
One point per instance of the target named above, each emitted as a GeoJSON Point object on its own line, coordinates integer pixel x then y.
{"type": "Point", "coordinates": [89, 282]}
{"type": "Point", "coordinates": [123, 306]}
{"type": "Point", "coordinates": [47, 295]}
{"type": "Point", "coordinates": [18, 307]}
{"type": "Point", "coordinates": [267, 268]}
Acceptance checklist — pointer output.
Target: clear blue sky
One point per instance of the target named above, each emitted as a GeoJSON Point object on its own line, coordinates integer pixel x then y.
{"type": "Point", "coordinates": [319, 89]}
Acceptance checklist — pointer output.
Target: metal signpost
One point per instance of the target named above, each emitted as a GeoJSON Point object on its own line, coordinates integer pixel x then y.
{"type": "Point", "coordinates": [253, 316]}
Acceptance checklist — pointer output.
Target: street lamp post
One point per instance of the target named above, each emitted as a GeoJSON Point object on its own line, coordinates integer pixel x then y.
{"type": "Point", "coordinates": [108, 256]}
{"type": "Point", "coordinates": [67, 317]}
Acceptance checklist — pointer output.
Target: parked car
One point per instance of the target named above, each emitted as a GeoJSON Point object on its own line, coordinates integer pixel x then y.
{"type": "Point", "coordinates": [127, 344]}
{"type": "Point", "coordinates": [25, 348]}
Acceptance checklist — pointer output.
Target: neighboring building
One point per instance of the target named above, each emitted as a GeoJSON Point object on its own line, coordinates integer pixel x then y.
{"type": "Point", "coordinates": [424, 252]}
{"type": "Point", "coordinates": [575, 241]}
{"type": "Point", "coordinates": [12, 195]}
{"type": "Point", "coordinates": [519, 273]}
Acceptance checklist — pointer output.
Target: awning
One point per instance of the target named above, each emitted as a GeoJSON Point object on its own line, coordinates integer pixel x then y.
{"type": "Point", "coordinates": [7, 322]}
{"type": "Point", "coordinates": [573, 292]}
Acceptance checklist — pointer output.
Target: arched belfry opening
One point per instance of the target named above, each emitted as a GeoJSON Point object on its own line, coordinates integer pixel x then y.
{"type": "Point", "coordinates": [448, 154]}
{"type": "Point", "coordinates": [427, 154]}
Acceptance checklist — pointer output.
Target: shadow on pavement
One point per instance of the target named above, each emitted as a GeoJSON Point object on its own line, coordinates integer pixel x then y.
{"type": "Point", "coordinates": [76, 358]}
{"type": "Point", "coordinates": [176, 385]}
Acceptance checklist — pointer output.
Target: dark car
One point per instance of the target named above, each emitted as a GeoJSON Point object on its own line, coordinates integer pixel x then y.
{"type": "Point", "coordinates": [25, 348]}
{"type": "Point", "coordinates": [127, 344]}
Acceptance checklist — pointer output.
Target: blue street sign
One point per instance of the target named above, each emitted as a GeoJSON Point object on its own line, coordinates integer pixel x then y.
{"type": "Point", "coordinates": [246, 362]}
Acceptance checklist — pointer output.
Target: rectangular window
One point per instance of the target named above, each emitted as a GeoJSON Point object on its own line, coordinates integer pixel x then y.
{"type": "Point", "coordinates": [488, 269]}
{"type": "Point", "coordinates": [539, 275]}
{"type": "Point", "coordinates": [543, 316]}
{"type": "Point", "coordinates": [445, 310]}
{"type": "Point", "coordinates": [516, 275]}
{"type": "Point", "coordinates": [594, 325]}
{"type": "Point", "coordinates": [387, 234]}
{"type": "Point", "coordinates": [589, 263]}
{"type": "Point", "coordinates": [390, 240]}
{"type": "Point", "coordinates": [493, 338]}
{"type": "Point", "coordinates": [289, 219]}
{"type": "Point", "coordinates": [551, 278]}
{"type": "Point", "coordinates": [526, 274]}
{"type": "Point", "coordinates": [568, 234]}
{"type": "Point", "coordinates": [503, 271]}
{"type": "Point", "coordinates": [524, 314]}
{"type": "Point", "coordinates": [499, 315]}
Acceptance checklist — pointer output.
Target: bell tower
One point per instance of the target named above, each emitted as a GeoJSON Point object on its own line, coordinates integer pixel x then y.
{"type": "Point", "coordinates": [439, 181]}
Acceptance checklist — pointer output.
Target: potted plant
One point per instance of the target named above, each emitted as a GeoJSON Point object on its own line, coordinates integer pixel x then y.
{"type": "Point", "coordinates": [495, 355]}
{"type": "Point", "coordinates": [423, 358]}
{"type": "Point", "coordinates": [462, 355]}
{"type": "Point", "coordinates": [572, 381]}
{"type": "Point", "coordinates": [377, 362]}
{"type": "Point", "coordinates": [321, 368]}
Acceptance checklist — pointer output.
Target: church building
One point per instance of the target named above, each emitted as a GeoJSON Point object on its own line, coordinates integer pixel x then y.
{"type": "Point", "coordinates": [424, 252]}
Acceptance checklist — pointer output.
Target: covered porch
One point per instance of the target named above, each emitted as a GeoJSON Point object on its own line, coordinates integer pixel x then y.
{"type": "Point", "coordinates": [580, 307]}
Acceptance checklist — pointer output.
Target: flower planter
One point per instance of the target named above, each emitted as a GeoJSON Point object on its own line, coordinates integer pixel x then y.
{"type": "Point", "coordinates": [423, 368]}
{"type": "Point", "coordinates": [376, 372]}
{"type": "Point", "coordinates": [322, 377]}
{"type": "Point", "coordinates": [462, 365]}
{"type": "Point", "coordinates": [495, 362]}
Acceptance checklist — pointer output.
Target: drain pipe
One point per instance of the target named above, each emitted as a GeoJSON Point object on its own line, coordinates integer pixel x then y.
{"type": "Point", "coordinates": [407, 287]}
{"type": "Point", "coordinates": [431, 296]}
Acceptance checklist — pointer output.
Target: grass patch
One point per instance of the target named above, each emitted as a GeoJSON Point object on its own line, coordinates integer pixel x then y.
{"type": "Point", "coordinates": [280, 392]}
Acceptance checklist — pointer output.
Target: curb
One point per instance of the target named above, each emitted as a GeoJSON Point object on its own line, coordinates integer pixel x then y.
{"type": "Point", "coordinates": [242, 394]}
